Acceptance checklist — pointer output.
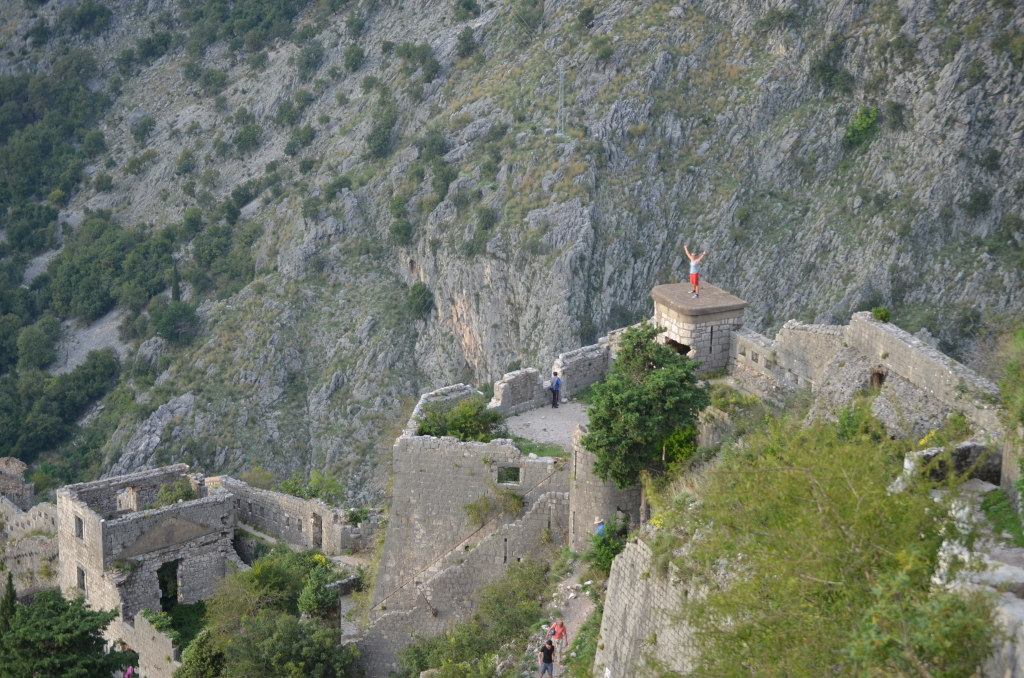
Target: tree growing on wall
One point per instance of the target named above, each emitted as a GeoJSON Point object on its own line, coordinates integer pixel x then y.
{"type": "Point", "coordinates": [650, 393]}
{"type": "Point", "coordinates": [55, 638]}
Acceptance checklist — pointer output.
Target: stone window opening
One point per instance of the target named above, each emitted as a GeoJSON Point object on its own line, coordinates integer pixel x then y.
{"type": "Point", "coordinates": [505, 558]}
{"type": "Point", "coordinates": [877, 379]}
{"type": "Point", "coordinates": [79, 528]}
{"type": "Point", "coordinates": [316, 528]}
{"type": "Point", "coordinates": [167, 576]}
{"type": "Point", "coordinates": [81, 579]}
{"type": "Point", "coordinates": [753, 356]}
{"type": "Point", "coordinates": [743, 350]}
{"type": "Point", "coordinates": [509, 475]}
{"type": "Point", "coordinates": [681, 349]}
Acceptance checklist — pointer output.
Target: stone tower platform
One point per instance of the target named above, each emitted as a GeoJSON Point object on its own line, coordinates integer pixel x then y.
{"type": "Point", "coordinates": [699, 327]}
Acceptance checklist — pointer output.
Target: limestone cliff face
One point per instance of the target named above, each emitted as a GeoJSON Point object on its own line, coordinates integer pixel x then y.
{"type": "Point", "coordinates": [725, 126]}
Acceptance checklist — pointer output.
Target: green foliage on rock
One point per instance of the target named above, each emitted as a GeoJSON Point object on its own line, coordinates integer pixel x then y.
{"type": "Point", "coordinates": [56, 637]}
{"type": "Point", "coordinates": [861, 128]}
{"type": "Point", "coordinates": [469, 419]}
{"type": "Point", "coordinates": [1012, 384]}
{"type": "Point", "coordinates": [881, 314]}
{"type": "Point", "coordinates": [201, 659]}
{"type": "Point", "coordinates": [650, 393]}
{"type": "Point", "coordinates": [466, 44]}
{"type": "Point", "coordinates": [316, 599]}
{"type": "Point", "coordinates": [464, 10]}
{"type": "Point", "coordinates": [354, 57]}
{"type": "Point", "coordinates": [811, 548]}
{"type": "Point", "coordinates": [379, 140]}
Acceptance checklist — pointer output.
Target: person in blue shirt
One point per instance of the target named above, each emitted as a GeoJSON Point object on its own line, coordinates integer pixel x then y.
{"type": "Point", "coordinates": [600, 527]}
{"type": "Point", "coordinates": [556, 386]}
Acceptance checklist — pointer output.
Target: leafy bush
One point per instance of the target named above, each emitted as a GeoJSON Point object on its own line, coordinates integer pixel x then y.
{"type": "Point", "coordinates": [1010, 42]}
{"type": "Point", "coordinates": [248, 138]}
{"type": "Point", "coordinates": [316, 599]}
{"type": "Point", "coordinates": [93, 143]}
{"type": "Point", "coordinates": [777, 18]}
{"type": "Point", "coordinates": [89, 17]}
{"type": "Point", "coordinates": [420, 301]}
{"type": "Point", "coordinates": [881, 314]}
{"type": "Point", "coordinates": [861, 128]}
{"type": "Point", "coordinates": [990, 161]}
{"type": "Point", "coordinates": [825, 69]}
{"type": "Point", "coordinates": [213, 81]}
{"type": "Point", "coordinates": [137, 164]}
{"type": "Point", "coordinates": [379, 139]}
{"type": "Point", "coordinates": [103, 182]}
{"type": "Point", "coordinates": [176, 322]}
{"type": "Point", "coordinates": [354, 57]}
{"type": "Point", "coordinates": [170, 493]}
{"type": "Point", "coordinates": [400, 232]}
{"type": "Point", "coordinates": [309, 59]}
{"type": "Point", "coordinates": [1012, 385]}
{"type": "Point", "coordinates": [893, 113]}
{"type": "Point", "coordinates": [464, 10]}
{"type": "Point", "coordinates": [466, 45]}
{"type": "Point", "coordinates": [585, 17]}
{"type": "Point", "coordinates": [319, 486]}
{"type": "Point", "coordinates": [528, 14]}
{"type": "Point", "coordinates": [979, 202]}
{"type": "Point", "coordinates": [469, 419]}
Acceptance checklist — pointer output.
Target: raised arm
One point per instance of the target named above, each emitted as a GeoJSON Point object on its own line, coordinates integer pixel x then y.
{"type": "Point", "coordinates": [687, 250]}
{"type": "Point", "coordinates": [701, 257]}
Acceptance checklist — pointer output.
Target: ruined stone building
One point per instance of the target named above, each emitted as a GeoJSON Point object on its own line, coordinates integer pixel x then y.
{"type": "Point", "coordinates": [112, 543]}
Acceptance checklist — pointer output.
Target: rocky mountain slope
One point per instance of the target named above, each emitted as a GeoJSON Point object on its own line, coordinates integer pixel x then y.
{"type": "Point", "coordinates": [831, 156]}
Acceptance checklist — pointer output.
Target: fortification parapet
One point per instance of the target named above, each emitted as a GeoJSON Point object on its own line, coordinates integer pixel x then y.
{"type": "Point", "coordinates": [518, 391]}
{"type": "Point", "coordinates": [591, 498]}
{"type": "Point", "coordinates": [582, 367]}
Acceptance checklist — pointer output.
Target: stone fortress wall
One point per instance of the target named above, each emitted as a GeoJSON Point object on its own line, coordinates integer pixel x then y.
{"type": "Point", "coordinates": [639, 630]}
{"type": "Point", "coordinates": [591, 498]}
{"type": "Point", "coordinates": [28, 534]}
{"type": "Point", "coordinates": [800, 355]}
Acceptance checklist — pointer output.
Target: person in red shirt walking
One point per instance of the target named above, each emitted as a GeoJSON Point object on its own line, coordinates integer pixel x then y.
{"type": "Point", "coordinates": [558, 634]}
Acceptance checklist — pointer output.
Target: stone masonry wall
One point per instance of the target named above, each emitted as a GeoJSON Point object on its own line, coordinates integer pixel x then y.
{"type": "Point", "coordinates": [447, 597]}
{"type": "Point", "coordinates": [638, 628]}
{"type": "Point", "coordinates": [754, 351]}
{"type": "Point", "coordinates": [580, 368]}
{"type": "Point", "coordinates": [927, 368]}
{"type": "Point", "coordinates": [103, 496]}
{"type": "Point", "coordinates": [158, 658]}
{"type": "Point", "coordinates": [33, 562]}
{"type": "Point", "coordinates": [804, 351]}
{"type": "Point", "coordinates": [18, 523]}
{"type": "Point", "coordinates": [434, 479]}
{"type": "Point", "coordinates": [592, 498]}
{"type": "Point", "coordinates": [294, 519]}
{"type": "Point", "coordinates": [519, 391]}
{"type": "Point", "coordinates": [708, 336]}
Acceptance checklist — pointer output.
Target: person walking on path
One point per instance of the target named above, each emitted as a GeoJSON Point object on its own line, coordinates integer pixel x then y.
{"type": "Point", "coordinates": [556, 385]}
{"type": "Point", "coordinates": [546, 659]}
{"type": "Point", "coordinates": [558, 634]}
{"type": "Point", "coordinates": [694, 271]}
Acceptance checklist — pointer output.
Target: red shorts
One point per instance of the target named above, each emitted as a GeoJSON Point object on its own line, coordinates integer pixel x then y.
{"type": "Point", "coordinates": [695, 278]}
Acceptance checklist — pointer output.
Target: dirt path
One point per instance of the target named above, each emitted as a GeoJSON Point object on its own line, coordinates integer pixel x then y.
{"type": "Point", "coordinates": [576, 608]}
{"type": "Point", "coordinates": [548, 425]}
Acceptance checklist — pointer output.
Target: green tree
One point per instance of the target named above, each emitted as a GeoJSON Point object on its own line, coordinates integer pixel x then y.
{"type": "Point", "coordinates": [201, 659]}
{"type": "Point", "coordinates": [35, 348]}
{"type": "Point", "coordinates": [56, 638]}
{"type": "Point", "coordinates": [316, 599]}
{"type": "Point", "coordinates": [650, 393]}
{"type": "Point", "coordinates": [8, 605]}
{"type": "Point", "coordinates": [277, 645]}
{"type": "Point", "coordinates": [177, 322]}
{"type": "Point", "coordinates": [466, 44]}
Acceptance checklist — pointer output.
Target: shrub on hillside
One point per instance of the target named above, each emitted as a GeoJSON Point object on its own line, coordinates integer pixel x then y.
{"type": "Point", "coordinates": [861, 128]}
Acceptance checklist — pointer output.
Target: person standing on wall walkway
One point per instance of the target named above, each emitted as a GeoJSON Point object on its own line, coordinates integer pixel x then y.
{"type": "Point", "coordinates": [694, 270]}
{"type": "Point", "coordinates": [556, 386]}
{"type": "Point", "coordinates": [599, 530]}
{"type": "Point", "coordinates": [546, 659]}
